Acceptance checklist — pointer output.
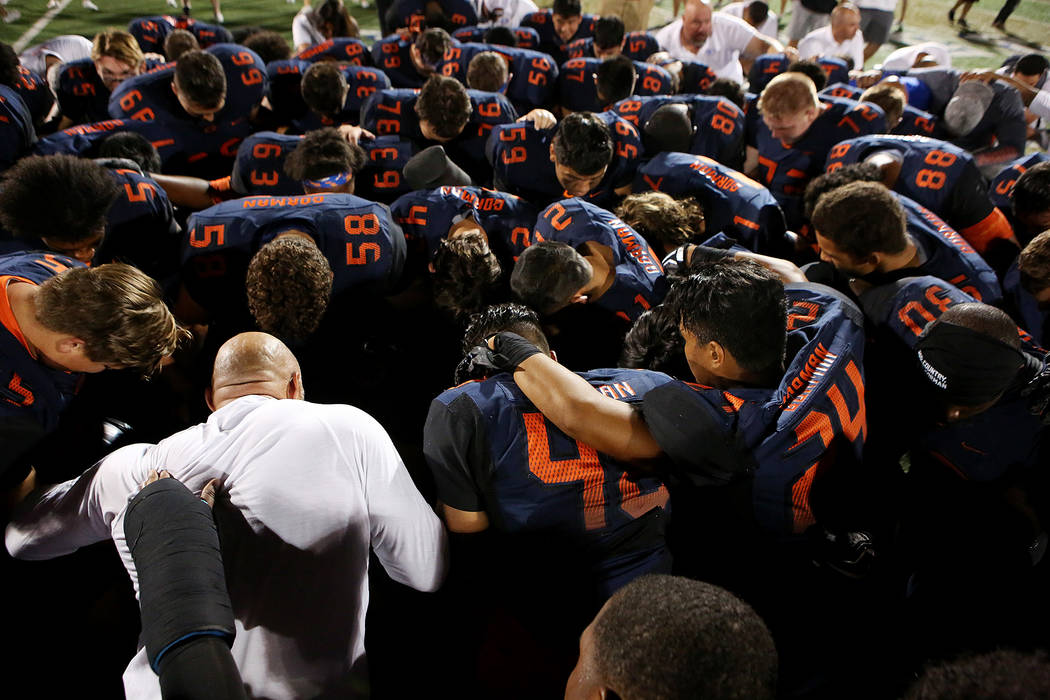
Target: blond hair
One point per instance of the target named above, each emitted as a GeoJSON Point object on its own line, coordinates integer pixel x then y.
{"type": "Point", "coordinates": [788, 93]}
{"type": "Point", "coordinates": [119, 45]}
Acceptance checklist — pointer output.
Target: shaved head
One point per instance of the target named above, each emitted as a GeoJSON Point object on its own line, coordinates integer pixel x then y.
{"type": "Point", "coordinates": [254, 364]}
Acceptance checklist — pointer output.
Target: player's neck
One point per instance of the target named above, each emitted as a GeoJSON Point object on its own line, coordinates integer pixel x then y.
{"type": "Point", "coordinates": [911, 256]}
{"type": "Point", "coordinates": [22, 297]}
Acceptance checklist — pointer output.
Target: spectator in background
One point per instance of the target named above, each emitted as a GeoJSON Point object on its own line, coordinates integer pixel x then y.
{"type": "Point", "coordinates": [725, 44]}
{"type": "Point", "coordinates": [43, 58]}
{"type": "Point", "coordinates": [313, 25]}
{"type": "Point", "coordinates": [807, 15]}
{"type": "Point", "coordinates": [965, 5]}
{"type": "Point", "coordinates": [634, 13]}
{"type": "Point", "coordinates": [1004, 14]}
{"type": "Point", "coordinates": [876, 22]}
{"type": "Point", "coordinates": [840, 38]}
{"type": "Point", "coordinates": [503, 13]}
{"type": "Point", "coordinates": [756, 13]}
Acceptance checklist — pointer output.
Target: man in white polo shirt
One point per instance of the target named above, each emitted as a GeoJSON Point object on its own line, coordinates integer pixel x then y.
{"type": "Point", "coordinates": [726, 44]}
{"type": "Point", "coordinates": [840, 38]}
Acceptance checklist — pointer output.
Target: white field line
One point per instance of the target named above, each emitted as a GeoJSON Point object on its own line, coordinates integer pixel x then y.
{"type": "Point", "coordinates": [38, 26]}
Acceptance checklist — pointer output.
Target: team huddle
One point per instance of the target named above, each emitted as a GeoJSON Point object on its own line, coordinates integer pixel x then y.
{"type": "Point", "coordinates": [713, 308]}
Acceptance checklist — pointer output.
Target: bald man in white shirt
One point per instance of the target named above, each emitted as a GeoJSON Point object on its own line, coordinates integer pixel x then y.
{"type": "Point", "coordinates": [726, 44]}
{"type": "Point", "coordinates": [310, 490]}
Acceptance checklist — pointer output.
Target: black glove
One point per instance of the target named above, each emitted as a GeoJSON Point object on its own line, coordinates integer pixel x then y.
{"type": "Point", "coordinates": [509, 350]}
{"type": "Point", "coordinates": [1037, 391]}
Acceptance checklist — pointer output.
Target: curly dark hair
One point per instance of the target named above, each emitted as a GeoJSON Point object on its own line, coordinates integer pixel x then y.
{"type": "Point", "coordinates": [8, 65]}
{"type": "Point", "coordinates": [738, 304]}
{"type": "Point", "coordinates": [133, 146]}
{"type": "Point", "coordinates": [821, 185]}
{"type": "Point", "coordinates": [288, 285]}
{"type": "Point", "coordinates": [583, 143]}
{"type": "Point", "coordinates": [445, 105]}
{"type": "Point", "coordinates": [323, 153]}
{"type": "Point", "coordinates": [465, 270]}
{"type": "Point", "coordinates": [270, 46]}
{"type": "Point", "coordinates": [663, 222]}
{"type": "Point", "coordinates": [31, 187]}
{"type": "Point", "coordinates": [510, 317]}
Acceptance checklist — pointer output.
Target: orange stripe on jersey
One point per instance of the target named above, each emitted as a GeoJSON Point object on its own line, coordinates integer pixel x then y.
{"type": "Point", "coordinates": [7, 316]}
{"type": "Point", "coordinates": [735, 401]}
{"type": "Point", "coordinates": [801, 512]}
{"type": "Point", "coordinates": [946, 462]}
{"type": "Point", "coordinates": [993, 227]}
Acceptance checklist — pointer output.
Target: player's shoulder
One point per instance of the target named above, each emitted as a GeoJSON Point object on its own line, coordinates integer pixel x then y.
{"type": "Point", "coordinates": [36, 265]}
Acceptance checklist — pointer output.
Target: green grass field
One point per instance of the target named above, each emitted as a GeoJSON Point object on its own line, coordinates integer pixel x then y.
{"type": "Point", "coordinates": [925, 21]}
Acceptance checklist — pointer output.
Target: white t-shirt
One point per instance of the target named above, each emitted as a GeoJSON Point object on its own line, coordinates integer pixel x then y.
{"type": "Point", "coordinates": [1040, 105]}
{"type": "Point", "coordinates": [513, 11]}
{"type": "Point", "coordinates": [904, 57]}
{"type": "Point", "coordinates": [736, 9]}
{"type": "Point", "coordinates": [721, 51]}
{"type": "Point", "coordinates": [820, 42]}
{"type": "Point", "coordinates": [887, 5]}
{"type": "Point", "coordinates": [67, 48]}
{"type": "Point", "coordinates": [303, 30]}
{"type": "Point", "coordinates": [311, 488]}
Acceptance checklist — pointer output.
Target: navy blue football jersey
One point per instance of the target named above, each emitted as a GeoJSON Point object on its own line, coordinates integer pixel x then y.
{"type": "Point", "coordinates": [938, 175]}
{"type": "Point", "coordinates": [381, 180]}
{"type": "Point", "coordinates": [765, 68]}
{"type": "Point", "coordinates": [733, 203]}
{"type": "Point", "coordinates": [1024, 308]}
{"type": "Point", "coordinates": [948, 256]}
{"type": "Point", "coordinates": [343, 49]}
{"type": "Point", "coordinates": [393, 56]}
{"type": "Point", "coordinates": [577, 91]}
{"type": "Point", "coordinates": [787, 438]}
{"type": "Point", "coordinates": [36, 94]}
{"type": "Point", "coordinates": [533, 79]}
{"type": "Point", "coordinates": [835, 69]}
{"type": "Point", "coordinates": [82, 97]}
{"type": "Point", "coordinates": [695, 78]}
{"type": "Point", "coordinates": [637, 46]}
{"type": "Point", "coordinates": [491, 450]}
{"type": "Point", "coordinates": [286, 100]}
{"type": "Point", "coordinates": [426, 216]}
{"type": "Point", "coordinates": [550, 43]}
{"type": "Point", "coordinates": [842, 89]}
{"type": "Point", "coordinates": [150, 32]}
{"type": "Point", "coordinates": [528, 38]}
{"type": "Point", "coordinates": [259, 167]}
{"type": "Point", "coordinates": [640, 283]}
{"type": "Point", "coordinates": [718, 123]}
{"type": "Point", "coordinates": [786, 169]}
{"type": "Point", "coordinates": [28, 387]}
{"type": "Point", "coordinates": [363, 245]}
{"type": "Point", "coordinates": [1002, 186]}
{"type": "Point", "coordinates": [520, 157]}
{"type": "Point", "coordinates": [85, 139]}
{"type": "Point", "coordinates": [17, 134]}
{"type": "Point", "coordinates": [410, 13]}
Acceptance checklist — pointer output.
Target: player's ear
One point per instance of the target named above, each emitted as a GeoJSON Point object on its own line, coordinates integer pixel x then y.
{"type": "Point", "coordinates": [579, 299]}
{"type": "Point", "coordinates": [209, 399]}
{"type": "Point", "coordinates": [295, 388]}
{"type": "Point", "coordinates": [718, 353]}
{"type": "Point", "coordinates": [552, 152]}
{"type": "Point", "coordinates": [553, 355]}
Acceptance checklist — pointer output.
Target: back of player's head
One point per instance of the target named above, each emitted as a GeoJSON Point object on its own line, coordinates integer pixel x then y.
{"type": "Point", "coordinates": [500, 36]}
{"type": "Point", "coordinates": [788, 93]}
{"type": "Point", "coordinates": [270, 46]}
{"type": "Point", "coordinates": [117, 44]}
{"type": "Point", "coordinates": [445, 105]}
{"type": "Point", "coordinates": [740, 305]}
{"type": "Point", "coordinates": [609, 32]}
{"type": "Point", "coordinates": [654, 343]}
{"type": "Point", "coordinates": [117, 310]}
{"type": "Point", "coordinates": [465, 270]}
{"type": "Point", "coordinates": [8, 65]}
{"type": "Point", "coordinates": [891, 96]}
{"type": "Point", "coordinates": [967, 107]}
{"type": "Point", "coordinates": [729, 89]}
{"type": "Point", "coordinates": [822, 184]}
{"type": "Point", "coordinates": [548, 275]}
{"type": "Point", "coordinates": [1003, 674]}
{"type": "Point", "coordinates": [615, 79]}
{"type": "Point", "coordinates": [812, 70]}
{"type": "Point", "coordinates": [324, 153]}
{"type": "Point", "coordinates": [178, 42]}
{"type": "Point", "coordinates": [200, 78]}
{"type": "Point", "coordinates": [674, 638]}
{"type": "Point", "coordinates": [487, 71]}
{"type": "Point", "coordinates": [133, 146]}
{"type": "Point", "coordinates": [663, 222]}
{"type": "Point", "coordinates": [432, 45]}
{"type": "Point", "coordinates": [324, 88]}
{"type": "Point", "coordinates": [1031, 194]}
{"type": "Point", "coordinates": [756, 13]}
{"type": "Point", "coordinates": [500, 318]}
{"type": "Point", "coordinates": [583, 143]}
{"type": "Point", "coordinates": [288, 285]}
{"type": "Point", "coordinates": [31, 187]}
{"type": "Point", "coordinates": [567, 8]}
{"type": "Point", "coordinates": [1033, 64]}
{"type": "Point", "coordinates": [670, 129]}
{"type": "Point", "coordinates": [1034, 264]}
{"type": "Point", "coordinates": [334, 15]}
{"type": "Point", "coordinates": [862, 218]}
